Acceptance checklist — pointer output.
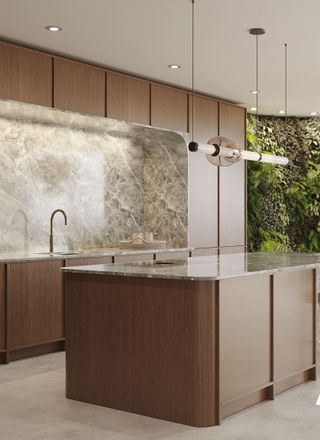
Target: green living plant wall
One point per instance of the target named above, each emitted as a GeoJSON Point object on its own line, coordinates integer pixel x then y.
{"type": "Point", "coordinates": [284, 201]}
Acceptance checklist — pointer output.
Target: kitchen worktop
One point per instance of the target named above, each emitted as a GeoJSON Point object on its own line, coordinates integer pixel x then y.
{"type": "Point", "coordinates": [20, 257]}
{"type": "Point", "coordinates": [207, 268]}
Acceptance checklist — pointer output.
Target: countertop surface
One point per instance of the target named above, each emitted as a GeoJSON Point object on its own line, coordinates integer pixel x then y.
{"type": "Point", "coordinates": [207, 268]}
{"type": "Point", "coordinates": [19, 257]}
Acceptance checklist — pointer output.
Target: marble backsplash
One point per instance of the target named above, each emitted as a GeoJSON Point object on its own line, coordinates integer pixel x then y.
{"type": "Point", "coordinates": [112, 178]}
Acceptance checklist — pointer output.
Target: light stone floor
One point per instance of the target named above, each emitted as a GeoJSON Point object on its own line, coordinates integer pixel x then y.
{"type": "Point", "coordinates": [33, 407]}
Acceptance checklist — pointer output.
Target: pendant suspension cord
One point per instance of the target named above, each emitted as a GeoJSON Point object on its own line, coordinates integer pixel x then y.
{"type": "Point", "coordinates": [257, 85]}
{"type": "Point", "coordinates": [192, 71]}
{"type": "Point", "coordinates": [286, 92]}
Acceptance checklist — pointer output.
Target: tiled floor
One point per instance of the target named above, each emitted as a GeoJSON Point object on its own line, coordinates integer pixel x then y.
{"type": "Point", "coordinates": [33, 407]}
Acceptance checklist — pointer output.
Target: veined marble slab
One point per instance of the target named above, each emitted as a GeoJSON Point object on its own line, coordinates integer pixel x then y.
{"type": "Point", "coordinates": [208, 268]}
{"type": "Point", "coordinates": [112, 178]}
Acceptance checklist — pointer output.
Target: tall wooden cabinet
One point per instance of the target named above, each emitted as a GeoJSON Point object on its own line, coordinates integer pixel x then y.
{"type": "Point", "coordinates": [232, 180]}
{"type": "Point", "coordinates": [128, 99]}
{"type": "Point", "coordinates": [203, 177]}
{"type": "Point", "coordinates": [25, 75]}
{"type": "Point", "coordinates": [79, 87]}
{"type": "Point", "coordinates": [35, 303]}
{"type": "Point", "coordinates": [169, 108]}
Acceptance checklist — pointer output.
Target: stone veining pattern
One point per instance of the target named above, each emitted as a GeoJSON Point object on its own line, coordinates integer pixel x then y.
{"type": "Point", "coordinates": [112, 178]}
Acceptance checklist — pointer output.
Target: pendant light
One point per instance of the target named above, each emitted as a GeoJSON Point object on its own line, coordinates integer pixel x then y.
{"type": "Point", "coordinates": [222, 151]}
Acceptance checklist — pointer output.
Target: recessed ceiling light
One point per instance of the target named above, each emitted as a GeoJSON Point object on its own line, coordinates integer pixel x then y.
{"type": "Point", "coordinates": [281, 112]}
{"type": "Point", "coordinates": [174, 66]}
{"type": "Point", "coordinates": [313, 114]}
{"type": "Point", "coordinates": [52, 28]}
{"type": "Point", "coordinates": [253, 109]}
{"type": "Point", "coordinates": [254, 92]}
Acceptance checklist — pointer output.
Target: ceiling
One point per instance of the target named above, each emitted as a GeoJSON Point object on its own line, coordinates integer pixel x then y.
{"type": "Point", "coordinates": [144, 36]}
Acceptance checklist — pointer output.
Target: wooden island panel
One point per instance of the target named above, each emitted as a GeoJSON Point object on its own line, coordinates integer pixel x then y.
{"type": "Point", "coordinates": [142, 345]}
{"type": "Point", "coordinates": [294, 323]}
{"type": "Point", "coordinates": [245, 341]}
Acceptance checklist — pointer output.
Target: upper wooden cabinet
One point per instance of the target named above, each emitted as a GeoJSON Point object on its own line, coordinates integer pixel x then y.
{"type": "Point", "coordinates": [169, 108]}
{"type": "Point", "coordinates": [25, 75]}
{"type": "Point", "coordinates": [203, 177]}
{"type": "Point", "coordinates": [232, 180]}
{"type": "Point", "coordinates": [128, 99]}
{"type": "Point", "coordinates": [2, 308]}
{"type": "Point", "coordinates": [79, 87]}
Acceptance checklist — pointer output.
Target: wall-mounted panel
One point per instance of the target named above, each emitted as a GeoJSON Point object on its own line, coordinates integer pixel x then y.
{"type": "Point", "coordinates": [232, 180]}
{"type": "Point", "coordinates": [203, 176]}
{"type": "Point", "coordinates": [169, 108]}
{"type": "Point", "coordinates": [79, 87]}
{"type": "Point", "coordinates": [25, 75]}
{"type": "Point", "coordinates": [128, 99]}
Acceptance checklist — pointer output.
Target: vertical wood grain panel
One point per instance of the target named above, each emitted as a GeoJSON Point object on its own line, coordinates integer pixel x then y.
{"type": "Point", "coordinates": [128, 99]}
{"type": "Point", "coordinates": [133, 258]}
{"type": "Point", "coordinates": [245, 335]}
{"type": "Point", "coordinates": [203, 177]}
{"type": "Point", "coordinates": [25, 75]}
{"type": "Point", "coordinates": [85, 261]}
{"type": "Point", "coordinates": [2, 308]}
{"type": "Point", "coordinates": [142, 345]}
{"type": "Point", "coordinates": [35, 303]}
{"type": "Point", "coordinates": [169, 108]}
{"type": "Point", "coordinates": [79, 87]}
{"type": "Point", "coordinates": [293, 323]}
{"type": "Point", "coordinates": [232, 180]}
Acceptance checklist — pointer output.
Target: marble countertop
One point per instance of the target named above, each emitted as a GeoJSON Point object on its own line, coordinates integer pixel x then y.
{"type": "Point", "coordinates": [20, 257]}
{"type": "Point", "coordinates": [207, 268]}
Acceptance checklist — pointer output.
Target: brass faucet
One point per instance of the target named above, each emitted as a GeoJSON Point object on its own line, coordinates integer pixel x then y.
{"type": "Point", "coordinates": [51, 225]}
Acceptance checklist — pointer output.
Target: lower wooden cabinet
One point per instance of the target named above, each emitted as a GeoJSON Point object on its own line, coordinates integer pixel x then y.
{"type": "Point", "coordinates": [2, 308]}
{"type": "Point", "coordinates": [35, 304]}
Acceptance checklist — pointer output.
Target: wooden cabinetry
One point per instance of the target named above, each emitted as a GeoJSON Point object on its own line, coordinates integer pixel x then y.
{"type": "Point", "coordinates": [232, 180]}
{"type": "Point", "coordinates": [232, 250]}
{"type": "Point", "coordinates": [2, 308]}
{"type": "Point", "coordinates": [128, 99]}
{"type": "Point", "coordinates": [79, 87]}
{"type": "Point", "coordinates": [203, 177]}
{"type": "Point", "coordinates": [169, 108]}
{"type": "Point", "coordinates": [133, 258]}
{"type": "Point", "coordinates": [90, 260]}
{"type": "Point", "coordinates": [25, 75]}
{"type": "Point", "coordinates": [182, 255]}
{"type": "Point", "coordinates": [35, 303]}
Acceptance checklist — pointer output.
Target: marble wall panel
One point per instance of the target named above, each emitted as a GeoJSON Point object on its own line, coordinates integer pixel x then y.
{"type": "Point", "coordinates": [112, 178]}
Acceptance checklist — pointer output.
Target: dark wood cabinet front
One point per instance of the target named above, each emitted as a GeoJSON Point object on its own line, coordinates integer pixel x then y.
{"type": "Point", "coordinates": [203, 176]}
{"type": "Point", "coordinates": [25, 75]}
{"type": "Point", "coordinates": [169, 108]}
{"type": "Point", "coordinates": [79, 87]}
{"type": "Point", "coordinates": [128, 99]}
{"type": "Point", "coordinates": [2, 308]}
{"type": "Point", "coordinates": [232, 180]}
{"type": "Point", "coordinates": [35, 303]}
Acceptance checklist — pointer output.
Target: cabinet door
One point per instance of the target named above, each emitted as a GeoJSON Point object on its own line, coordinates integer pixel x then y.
{"type": "Point", "coordinates": [128, 99]}
{"type": "Point", "coordinates": [79, 87]}
{"type": "Point", "coordinates": [86, 261]}
{"type": "Point", "coordinates": [35, 303]}
{"type": "Point", "coordinates": [169, 108]}
{"type": "Point", "coordinates": [232, 181]}
{"type": "Point", "coordinates": [203, 177]}
{"type": "Point", "coordinates": [2, 308]}
{"type": "Point", "coordinates": [25, 75]}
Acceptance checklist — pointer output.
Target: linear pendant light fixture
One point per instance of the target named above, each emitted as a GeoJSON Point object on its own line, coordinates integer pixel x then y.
{"type": "Point", "coordinates": [222, 151]}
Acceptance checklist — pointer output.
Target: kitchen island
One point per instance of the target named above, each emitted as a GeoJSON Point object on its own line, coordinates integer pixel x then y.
{"type": "Point", "coordinates": [191, 341]}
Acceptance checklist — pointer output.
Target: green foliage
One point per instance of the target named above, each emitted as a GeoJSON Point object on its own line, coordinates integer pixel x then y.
{"type": "Point", "coordinates": [284, 202]}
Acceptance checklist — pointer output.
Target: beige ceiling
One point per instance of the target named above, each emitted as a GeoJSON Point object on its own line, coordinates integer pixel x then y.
{"type": "Point", "coordinates": [144, 36]}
